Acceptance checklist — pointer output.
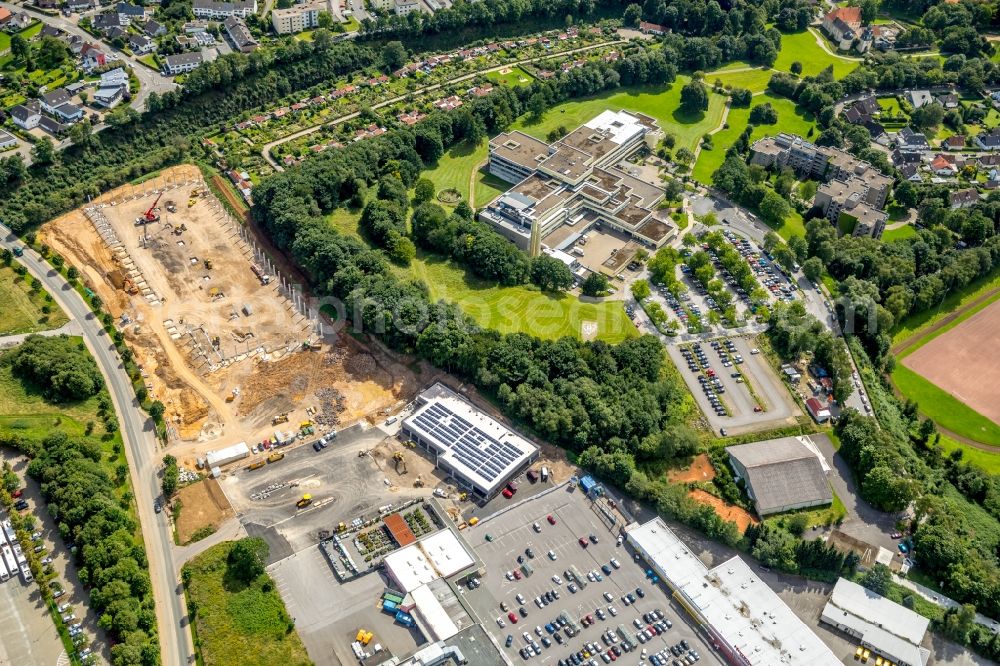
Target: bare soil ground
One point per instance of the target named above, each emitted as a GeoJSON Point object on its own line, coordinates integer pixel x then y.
{"type": "Point", "coordinates": [962, 354]}
{"type": "Point", "coordinates": [700, 470]}
{"type": "Point", "coordinates": [170, 334]}
{"type": "Point", "coordinates": [203, 504]}
{"type": "Point", "coordinates": [728, 512]}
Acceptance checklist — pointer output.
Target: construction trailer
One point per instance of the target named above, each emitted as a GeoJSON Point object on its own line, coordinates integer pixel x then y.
{"type": "Point", "coordinates": [227, 455]}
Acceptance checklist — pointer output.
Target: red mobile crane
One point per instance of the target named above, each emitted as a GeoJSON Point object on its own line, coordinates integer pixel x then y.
{"type": "Point", "coordinates": [151, 215]}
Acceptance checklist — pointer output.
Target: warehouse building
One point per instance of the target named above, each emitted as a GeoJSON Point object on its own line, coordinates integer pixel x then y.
{"type": "Point", "coordinates": [782, 474]}
{"type": "Point", "coordinates": [480, 453]}
{"type": "Point", "coordinates": [883, 626]}
{"type": "Point", "coordinates": [744, 617]}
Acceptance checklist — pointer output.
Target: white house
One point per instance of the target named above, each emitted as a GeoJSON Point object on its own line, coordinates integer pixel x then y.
{"type": "Point", "coordinates": [26, 116]}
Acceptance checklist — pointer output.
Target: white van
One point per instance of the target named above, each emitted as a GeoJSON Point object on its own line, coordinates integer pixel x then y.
{"type": "Point", "coordinates": [545, 473]}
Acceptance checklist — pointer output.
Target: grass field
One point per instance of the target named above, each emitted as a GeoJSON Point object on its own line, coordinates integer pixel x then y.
{"type": "Point", "coordinates": [514, 78]}
{"type": "Point", "coordinates": [21, 309]}
{"type": "Point", "coordinates": [239, 624]}
{"type": "Point", "coordinates": [947, 411]}
{"type": "Point", "coordinates": [452, 171]}
{"type": "Point", "coordinates": [905, 231]}
{"type": "Point", "coordinates": [660, 103]}
{"type": "Point", "coordinates": [754, 80]}
{"type": "Point", "coordinates": [791, 118]}
{"type": "Point", "coordinates": [914, 323]}
{"type": "Point", "coordinates": [985, 460]}
{"type": "Point", "coordinates": [519, 309]}
{"type": "Point", "coordinates": [802, 47]}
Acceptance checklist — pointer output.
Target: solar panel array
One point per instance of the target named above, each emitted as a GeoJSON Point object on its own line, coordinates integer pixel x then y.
{"type": "Point", "coordinates": [468, 444]}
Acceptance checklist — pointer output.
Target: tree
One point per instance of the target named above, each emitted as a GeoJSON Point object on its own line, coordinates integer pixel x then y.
{"type": "Point", "coordinates": [43, 152]}
{"type": "Point", "coordinates": [906, 194]}
{"type": "Point", "coordinates": [19, 47]}
{"type": "Point", "coordinates": [741, 97]}
{"type": "Point", "coordinates": [51, 53]}
{"type": "Point", "coordinates": [551, 274]}
{"type": "Point", "coordinates": [246, 558]}
{"type": "Point", "coordinates": [640, 290]}
{"type": "Point", "coordinates": [156, 410]}
{"type": "Point", "coordinates": [869, 11]}
{"type": "Point", "coordinates": [595, 284]}
{"type": "Point", "coordinates": [423, 191]}
{"type": "Point", "coordinates": [683, 156]}
{"type": "Point", "coordinates": [694, 98]}
{"type": "Point", "coordinates": [80, 133]}
{"type": "Point", "coordinates": [763, 114]}
{"type": "Point", "coordinates": [632, 15]}
{"type": "Point", "coordinates": [877, 579]}
{"type": "Point", "coordinates": [813, 269]}
{"type": "Point", "coordinates": [796, 68]}
{"type": "Point", "coordinates": [171, 474]}
{"type": "Point", "coordinates": [774, 208]}
{"type": "Point", "coordinates": [799, 247]}
{"type": "Point", "coordinates": [927, 116]}
{"type": "Point", "coordinates": [537, 106]}
{"type": "Point", "coordinates": [324, 20]}
{"type": "Point", "coordinates": [393, 56]}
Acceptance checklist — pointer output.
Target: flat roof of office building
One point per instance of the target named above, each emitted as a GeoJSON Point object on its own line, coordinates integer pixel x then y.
{"type": "Point", "coordinates": [738, 605]}
{"type": "Point", "coordinates": [439, 555]}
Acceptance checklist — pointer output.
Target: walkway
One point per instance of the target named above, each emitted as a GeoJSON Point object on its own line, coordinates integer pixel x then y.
{"type": "Point", "coordinates": [71, 327]}
{"type": "Point", "coordinates": [231, 530]}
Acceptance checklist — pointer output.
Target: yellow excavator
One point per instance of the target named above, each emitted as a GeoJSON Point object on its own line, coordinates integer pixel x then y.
{"type": "Point", "coordinates": [304, 502]}
{"type": "Point", "coordinates": [400, 462]}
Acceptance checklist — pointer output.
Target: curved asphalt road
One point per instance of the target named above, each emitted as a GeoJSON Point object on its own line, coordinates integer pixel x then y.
{"type": "Point", "coordinates": [141, 450]}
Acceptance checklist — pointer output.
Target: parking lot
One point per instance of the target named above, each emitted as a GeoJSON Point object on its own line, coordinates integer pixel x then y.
{"type": "Point", "coordinates": [343, 486]}
{"type": "Point", "coordinates": [513, 531]}
{"type": "Point", "coordinates": [753, 399]}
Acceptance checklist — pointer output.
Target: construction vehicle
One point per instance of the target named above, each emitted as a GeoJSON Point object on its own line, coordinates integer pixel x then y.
{"type": "Point", "coordinates": [304, 502]}
{"type": "Point", "coordinates": [171, 206]}
{"type": "Point", "coordinates": [364, 637]}
{"type": "Point", "coordinates": [275, 457]}
{"type": "Point", "coordinates": [463, 497]}
{"type": "Point", "coordinates": [280, 418]}
{"type": "Point", "coordinates": [257, 464]}
{"type": "Point", "coordinates": [208, 264]}
{"type": "Point", "coordinates": [233, 395]}
{"type": "Point", "coordinates": [261, 275]}
{"type": "Point", "coordinates": [418, 482]}
{"type": "Point", "coordinates": [341, 527]}
{"type": "Point", "coordinates": [151, 215]}
{"type": "Point", "coordinates": [181, 229]}
{"type": "Point", "coordinates": [305, 424]}
{"type": "Point", "coordinates": [191, 202]}
{"type": "Point", "coordinates": [400, 462]}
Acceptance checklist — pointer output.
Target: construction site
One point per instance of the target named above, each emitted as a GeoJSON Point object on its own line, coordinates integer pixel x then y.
{"type": "Point", "coordinates": [222, 339]}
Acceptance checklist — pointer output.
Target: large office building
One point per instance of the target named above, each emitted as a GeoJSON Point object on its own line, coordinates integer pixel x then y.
{"type": "Point", "coordinates": [480, 453]}
{"type": "Point", "coordinates": [782, 474]}
{"type": "Point", "coordinates": [744, 617]}
{"type": "Point", "coordinates": [891, 631]}
{"type": "Point", "coordinates": [581, 180]}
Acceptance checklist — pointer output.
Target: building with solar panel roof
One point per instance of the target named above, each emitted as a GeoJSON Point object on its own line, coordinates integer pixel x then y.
{"type": "Point", "coordinates": [480, 453]}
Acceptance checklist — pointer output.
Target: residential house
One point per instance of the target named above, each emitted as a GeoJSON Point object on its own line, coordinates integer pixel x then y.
{"type": "Point", "coordinates": [80, 5]}
{"type": "Point", "coordinates": [92, 57]}
{"type": "Point", "coordinates": [50, 31]}
{"type": "Point", "coordinates": [27, 115]}
{"type": "Point", "coordinates": [153, 29]}
{"type": "Point", "coordinates": [129, 13]}
{"type": "Point", "coordinates": [211, 9]}
{"type": "Point", "coordinates": [239, 35]}
{"type": "Point", "coordinates": [884, 37]}
{"type": "Point", "coordinates": [115, 33]}
{"type": "Point", "coordinates": [843, 26]}
{"type": "Point", "coordinates": [54, 99]}
{"type": "Point", "coordinates": [7, 140]}
{"type": "Point", "coordinates": [902, 156]}
{"type": "Point", "coordinates": [818, 410]}
{"type": "Point", "coordinates": [919, 98]}
{"type": "Point", "coordinates": [869, 105]}
{"type": "Point", "coordinates": [47, 4]}
{"type": "Point", "coordinates": [115, 78]}
{"type": "Point", "coordinates": [989, 141]}
{"type": "Point", "coordinates": [875, 129]}
{"type": "Point", "coordinates": [15, 22]}
{"type": "Point", "coordinates": [5, 15]}
{"type": "Point", "coordinates": [948, 101]}
{"type": "Point", "coordinates": [106, 21]}
{"type": "Point", "coordinates": [907, 139]}
{"type": "Point", "coordinates": [75, 44]}
{"type": "Point", "coordinates": [988, 161]}
{"type": "Point", "coordinates": [109, 97]}
{"type": "Point", "coordinates": [653, 28]}
{"type": "Point", "coordinates": [192, 27]}
{"type": "Point", "coordinates": [53, 126]}
{"type": "Point", "coordinates": [942, 166]}
{"type": "Point", "coordinates": [910, 172]}
{"type": "Point", "coordinates": [181, 63]}
{"type": "Point", "coordinates": [204, 38]}
{"type": "Point", "coordinates": [954, 142]}
{"type": "Point", "coordinates": [963, 198]}
{"type": "Point", "coordinates": [68, 113]}
{"type": "Point", "coordinates": [298, 17]}
{"type": "Point", "coordinates": [856, 115]}
{"type": "Point", "coordinates": [141, 44]}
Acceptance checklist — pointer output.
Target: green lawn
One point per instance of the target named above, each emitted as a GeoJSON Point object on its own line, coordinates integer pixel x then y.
{"type": "Point", "coordinates": [452, 172]}
{"type": "Point", "coordinates": [791, 118]}
{"type": "Point", "coordinates": [4, 41]}
{"type": "Point", "coordinates": [236, 623]}
{"type": "Point", "coordinates": [906, 231]}
{"type": "Point", "coordinates": [945, 410]}
{"type": "Point", "coordinates": [985, 460]}
{"type": "Point", "coordinates": [21, 309]}
{"type": "Point", "coordinates": [514, 78]}
{"type": "Point", "coordinates": [753, 80]}
{"type": "Point", "coordinates": [149, 60]}
{"type": "Point", "coordinates": [662, 103]}
{"type": "Point", "coordinates": [518, 309]}
{"type": "Point", "coordinates": [992, 118]}
{"type": "Point", "coordinates": [802, 47]}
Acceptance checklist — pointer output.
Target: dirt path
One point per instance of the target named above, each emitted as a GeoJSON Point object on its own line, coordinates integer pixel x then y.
{"type": "Point", "coordinates": [823, 45]}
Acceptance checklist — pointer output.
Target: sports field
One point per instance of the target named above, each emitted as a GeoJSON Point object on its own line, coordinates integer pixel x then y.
{"type": "Point", "coordinates": [512, 76]}
{"type": "Point", "coordinates": [914, 324]}
{"type": "Point", "coordinates": [520, 309]}
{"type": "Point", "coordinates": [662, 103]}
{"type": "Point", "coordinates": [953, 376]}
